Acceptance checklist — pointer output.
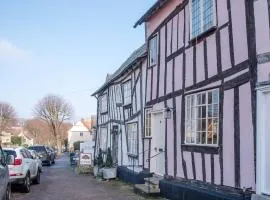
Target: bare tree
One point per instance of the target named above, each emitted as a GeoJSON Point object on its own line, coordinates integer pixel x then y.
{"type": "Point", "coordinates": [7, 117]}
{"type": "Point", "coordinates": [54, 110]}
{"type": "Point", "coordinates": [39, 129]}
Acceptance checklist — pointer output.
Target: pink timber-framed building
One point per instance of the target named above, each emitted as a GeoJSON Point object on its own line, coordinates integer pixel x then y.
{"type": "Point", "coordinates": [205, 98]}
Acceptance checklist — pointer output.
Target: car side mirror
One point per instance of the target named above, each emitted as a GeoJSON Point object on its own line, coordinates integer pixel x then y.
{"type": "Point", "coordinates": [10, 160]}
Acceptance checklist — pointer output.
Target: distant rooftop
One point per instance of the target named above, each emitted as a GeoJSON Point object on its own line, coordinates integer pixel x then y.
{"type": "Point", "coordinates": [133, 58]}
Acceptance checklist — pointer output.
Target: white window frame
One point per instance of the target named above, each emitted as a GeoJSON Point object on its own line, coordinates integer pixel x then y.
{"type": "Point", "coordinates": [127, 92]}
{"type": "Point", "coordinates": [202, 21]}
{"type": "Point", "coordinates": [155, 60]}
{"type": "Point", "coordinates": [207, 118]}
{"type": "Point", "coordinates": [260, 147]}
{"type": "Point", "coordinates": [132, 139]}
{"type": "Point", "coordinates": [148, 123]}
{"type": "Point", "coordinates": [104, 103]}
{"type": "Point", "coordinates": [103, 138]}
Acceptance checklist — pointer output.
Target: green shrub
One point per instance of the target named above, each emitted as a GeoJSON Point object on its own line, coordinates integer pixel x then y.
{"type": "Point", "coordinates": [109, 160]}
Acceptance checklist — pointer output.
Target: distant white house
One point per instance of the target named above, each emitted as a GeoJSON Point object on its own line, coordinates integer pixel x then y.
{"type": "Point", "coordinates": [79, 132]}
{"type": "Point", "coordinates": [26, 139]}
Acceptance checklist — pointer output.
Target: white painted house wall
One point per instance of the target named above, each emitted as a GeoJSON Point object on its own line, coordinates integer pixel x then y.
{"type": "Point", "coordinates": [78, 132]}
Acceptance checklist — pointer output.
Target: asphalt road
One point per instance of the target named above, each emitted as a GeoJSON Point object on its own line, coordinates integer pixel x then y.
{"type": "Point", "coordinates": [60, 181]}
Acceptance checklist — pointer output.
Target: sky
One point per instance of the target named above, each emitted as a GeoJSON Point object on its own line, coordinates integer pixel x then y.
{"type": "Point", "coordinates": [64, 47]}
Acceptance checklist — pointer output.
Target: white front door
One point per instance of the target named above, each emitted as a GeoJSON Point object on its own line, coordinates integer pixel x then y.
{"type": "Point", "coordinates": [263, 141]}
{"type": "Point", "coordinates": [157, 160]}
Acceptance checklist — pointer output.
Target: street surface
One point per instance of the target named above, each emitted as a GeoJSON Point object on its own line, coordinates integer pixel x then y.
{"type": "Point", "coordinates": [60, 182]}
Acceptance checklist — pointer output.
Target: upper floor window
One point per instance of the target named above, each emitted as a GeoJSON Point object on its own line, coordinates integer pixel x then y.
{"type": "Point", "coordinates": [118, 95]}
{"type": "Point", "coordinates": [103, 103]}
{"type": "Point", "coordinates": [127, 92]}
{"type": "Point", "coordinates": [81, 134]}
{"type": "Point", "coordinates": [202, 118]}
{"type": "Point", "coordinates": [132, 136]}
{"type": "Point", "coordinates": [153, 51]}
{"type": "Point", "coordinates": [147, 131]}
{"type": "Point", "coordinates": [203, 16]}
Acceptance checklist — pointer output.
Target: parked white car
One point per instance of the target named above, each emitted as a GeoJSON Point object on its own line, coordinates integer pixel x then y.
{"type": "Point", "coordinates": [22, 169]}
{"type": "Point", "coordinates": [36, 159]}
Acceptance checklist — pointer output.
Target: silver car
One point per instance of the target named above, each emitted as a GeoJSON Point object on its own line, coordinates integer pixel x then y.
{"type": "Point", "coordinates": [36, 159]}
{"type": "Point", "coordinates": [5, 189]}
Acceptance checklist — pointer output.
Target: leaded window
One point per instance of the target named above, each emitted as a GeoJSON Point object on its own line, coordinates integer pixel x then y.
{"type": "Point", "coordinates": [127, 92]}
{"type": "Point", "coordinates": [202, 118]}
{"type": "Point", "coordinates": [147, 125]}
{"type": "Point", "coordinates": [153, 51]}
{"type": "Point", "coordinates": [203, 16]}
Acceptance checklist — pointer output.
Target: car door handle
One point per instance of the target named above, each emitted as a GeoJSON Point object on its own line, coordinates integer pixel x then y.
{"type": "Point", "coordinates": [160, 150]}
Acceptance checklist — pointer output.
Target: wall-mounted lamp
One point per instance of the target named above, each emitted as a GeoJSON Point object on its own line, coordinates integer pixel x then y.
{"type": "Point", "coordinates": [168, 113]}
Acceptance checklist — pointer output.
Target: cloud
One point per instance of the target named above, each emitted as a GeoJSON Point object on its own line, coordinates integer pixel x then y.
{"type": "Point", "coordinates": [9, 52]}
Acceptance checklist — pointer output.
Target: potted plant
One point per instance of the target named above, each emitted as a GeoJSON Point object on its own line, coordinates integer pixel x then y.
{"type": "Point", "coordinates": [109, 171]}
{"type": "Point", "coordinates": [98, 164]}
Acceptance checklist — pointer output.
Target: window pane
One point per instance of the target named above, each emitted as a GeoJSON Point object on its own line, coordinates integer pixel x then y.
{"type": "Point", "coordinates": [215, 110]}
{"type": "Point", "coordinates": [196, 18]}
{"type": "Point", "coordinates": [209, 137]}
{"type": "Point", "coordinates": [204, 125]}
{"type": "Point", "coordinates": [210, 111]}
{"type": "Point", "coordinates": [207, 14]}
{"type": "Point", "coordinates": [215, 96]}
{"type": "Point", "coordinates": [204, 112]}
{"type": "Point", "coordinates": [198, 138]}
{"type": "Point", "coordinates": [209, 97]}
{"type": "Point", "coordinates": [203, 137]}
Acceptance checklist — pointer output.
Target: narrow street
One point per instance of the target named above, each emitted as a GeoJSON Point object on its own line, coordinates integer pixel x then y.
{"type": "Point", "coordinates": [61, 182]}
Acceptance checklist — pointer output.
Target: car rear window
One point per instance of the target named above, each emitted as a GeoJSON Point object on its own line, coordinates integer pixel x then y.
{"type": "Point", "coordinates": [37, 148]}
{"type": "Point", "coordinates": [10, 152]}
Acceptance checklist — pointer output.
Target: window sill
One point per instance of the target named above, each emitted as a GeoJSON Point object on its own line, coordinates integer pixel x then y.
{"type": "Point", "coordinates": [147, 137]}
{"type": "Point", "coordinates": [200, 148]}
{"type": "Point", "coordinates": [203, 35]}
{"type": "Point", "coordinates": [132, 155]}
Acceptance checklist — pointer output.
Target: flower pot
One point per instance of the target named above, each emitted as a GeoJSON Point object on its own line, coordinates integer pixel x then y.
{"type": "Point", "coordinates": [109, 173]}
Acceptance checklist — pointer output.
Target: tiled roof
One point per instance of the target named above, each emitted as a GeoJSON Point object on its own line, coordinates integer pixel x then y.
{"type": "Point", "coordinates": [159, 4]}
{"type": "Point", "coordinates": [136, 55]}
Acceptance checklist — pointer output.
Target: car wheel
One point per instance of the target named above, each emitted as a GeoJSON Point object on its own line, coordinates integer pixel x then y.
{"type": "Point", "coordinates": [53, 162]}
{"type": "Point", "coordinates": [36, 180]}
{"type": "Point", "coordinates": [8, 193]}
{"type": "Point", "coordinates": [26, 183]}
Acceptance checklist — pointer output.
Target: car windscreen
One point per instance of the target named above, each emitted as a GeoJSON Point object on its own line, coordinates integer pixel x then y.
{"type": "Point", "coordinates": [10, 152]}
{"type": "Point", "coordinates": [38, 148]}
